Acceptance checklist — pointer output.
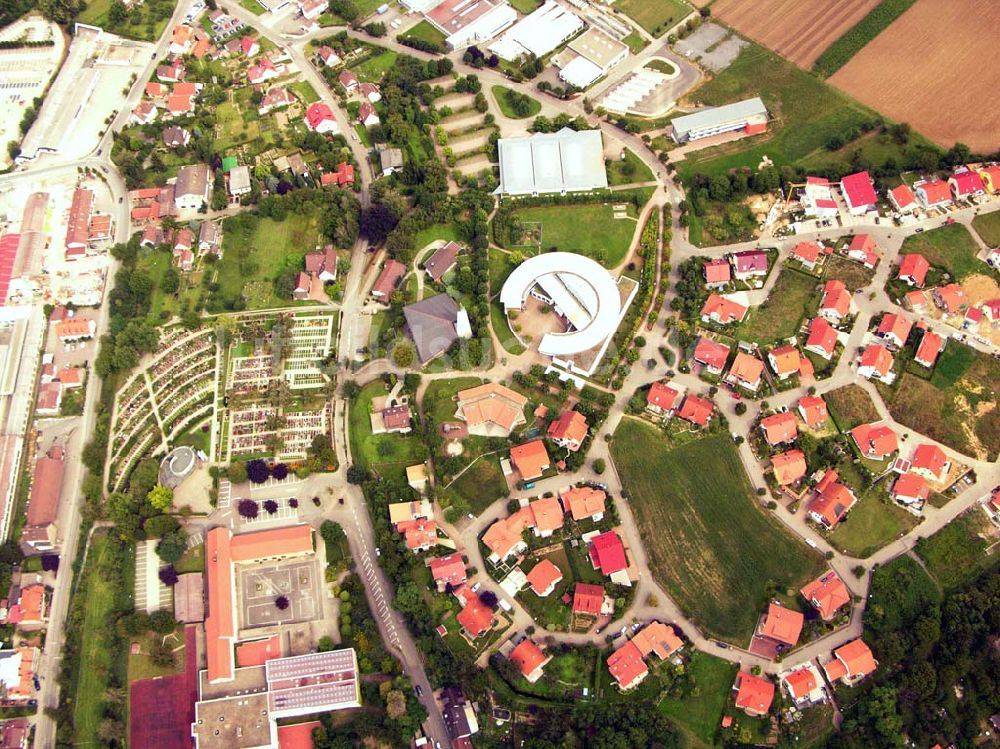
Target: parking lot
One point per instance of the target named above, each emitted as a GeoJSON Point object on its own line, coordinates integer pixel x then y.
{"type": "Point", "coordinates": [261, 585]}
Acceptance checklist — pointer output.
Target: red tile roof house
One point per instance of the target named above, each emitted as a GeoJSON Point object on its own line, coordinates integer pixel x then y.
{"type": "Point", "coordinates": [851, 663]}
{"type": "Point", "coordinates": [569, 430]}
{"type": "Point", "coordinates": [779, 428]}
{"type": "Point", "coordinates": [367, 115]}
{"type": "Point", "coordinates": [991, 178]}
{"type": "Point", "coordinates": [863, 249]}
{"type": "Point", "coordinates": [319, 118]}
{"type": "Point", "coordinates": [711, 354]}
{"type": "Point", "coordinates": [746, 371]}
{"type": "Point", "coordinates": [448, 570]}
{"type": "Point", "coordinates": [804, 687]}
{"type": "Point", "coordinates": [910, 489]}
{"type": "Point", "coordinates": [749, 264]}
{"type": "Point", "coordinates": [951, 298]}
{"type": "Point", "coordinates": [991, 308]}
{"type": "Point", "coordinates": [370, 91]}
{"type": "Point", "coordinates": [753, 694]}
{"type": "Point", "coordinates": [544, 577]}
{"type": "Point", "coordinates": [627, 666]}
{"type": "Point", "coordinates": [661, 399]}
{"type": "Point", "coordinates": [903, 199]}
{"type": "Point", "coordinates": [966, 184]}
{"type": "Point", "coordinates": [530, 459]}
{"type": "Point", "coordinates": [386, 282]}
{"type": "Point", "coordinates": [717, 273]}
{"type": "Point", "coordinates": [789, 466]}
{"type": "Point", "coordinates": [696, 410]}
{"type": "Point", "coordinates": [913, 269]}
{"type": "Point", "coordinates": [607, 554]}
{"type": "Point", "coordinates": [475, 617]}
{"type": "Point", "coordinates": [582, 502]}
{"type": "Point", "coordinates": [875, 441]}
{"type": "Point", "coordinates": [264, 70]}
{"type": "Point", "coordinates": [915, 301]}
{"type": "Point", "coordinates": [837, 302]}
{"type": "Point", "coordinates": [876, 364]}
{"type": "Point", "coordinates": [933, 193]}
{"type": "Point", "coordinates": [348, 80]}
{"type": "Point", "coordinates": [813, 411]}
{"type": "Point", "coordinates": [894, 329]}
{"type": "Point", "coordinates": [588, 599]}
{"type": "Point", "coordinates": [973, 316]}
{"type": "Point", "coordinates": [832, 502]}
{"type": "Point", "coordinates": [547, 516]}
{"type": "Point", "coordinates": [302, 285]}
{"type": "Point", "coordinates": [807, 253]}
{"type": "Point", "coordinates": [322, 264]}
{"type": "Point", "coordinates": [782, 625]}
{"type": "Point", "coordinates": [529, 659]}
{"type": "Point", "coordinates": [859, 193]}
{"type": "Point", "coordinates": [827, 594]}
{"type": "Point", "coordinates": [784, 361]}
{"type": "Point", "coordinates": [822, 339]}
{"type": "Point", "coordinates": [722, 311]}
{"type": "Point", "coordinates": [930, 462]}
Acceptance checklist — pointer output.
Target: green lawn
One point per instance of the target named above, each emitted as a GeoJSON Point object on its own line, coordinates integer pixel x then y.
{"type": "Point", "coordinates": [629, 169]}
{"type": "Point", "coordinates": [708, 541]}
{"type": "Point", "coordinates": [253, 6]}
{"type": "Point", "coordinates": [255, 252]}
{"type": "Point", "coordinates": [874, 522]}
{"type": "Point", "coordinates": [446, 232]}
{"type": "Point", "coordinates": [501, 266]}
{"type": "Point", "coordinates": [144, 22]}
{"type": "Point", "coordinates": [790, 300]}
{"type": "Point", "coordinates": [192, 561]}
{"type": "Point", "coordinates": [806, 113]}
{"type": "Point", "coordinates": [589, 229]}
{"type": "Point", "coordinates": [701, 713]}
{"type": "Point", "coordinates": [305, 91]}
{"type": "Point", "coordinates": [655, 16]}
{"type": "Point", "coordinates": [439, 397]}
{"type": "Point", "coordinates": [424, 31]}
{"type": "Point", "coordinates": [100, 651]}
{"type": "Point", "coordinates": [950, 247]}
{"type": "Point", "coordinates": [525, 6]}
{"type": "Point", "coordinates": [386, 454]}
{"type": "Point", "coordinates": [957, 553]}
{"type": "Point", "coordinates": [481, 484]}
{"type": "Point", "coordinates": [550, 612]}
{"type": "Point", "coordinates": [987, 226]}
{"type": "Point", "coordinates": [636, 43]}
{"type": "Point", "coordinates": [502, 95]}
{"type": "Point", "coordinates": [372, 69]}
{"type": "Point", "coordinates": [849, 406]}
{"type": "Point", "coordinates": [958, 405]}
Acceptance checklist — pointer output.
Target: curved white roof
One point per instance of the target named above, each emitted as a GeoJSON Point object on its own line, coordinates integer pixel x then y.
{"type": "Point", "coordinates": [582, 290]}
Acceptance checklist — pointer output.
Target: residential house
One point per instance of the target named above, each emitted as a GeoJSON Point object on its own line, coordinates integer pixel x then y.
{"type": "Point", "coordinates": [913, 269]}
{"type": "Point", "coordinates": [951, 298]}
{"type": "Point", "coordinates": [183, 240]}
{"type": "Point", "coordinates": [391, 160]}
{"type": "Point", "coordinates": [696, 410]}
{"type": "Point", "coordinates": [807, 253]}
{"type": "Point", "coordinates": [302, 286]}
{"type": "Point", "coordinates": [817, 198]}
{"type": "Point", "coordinates": [933, 193]}
{"type": "Point", "coordinates": [827, 594]}
{"type": "Point", "coordinates": [863, 249]}
{"type": "Point", "coordinates": [722, 310]}
{"type": "Point", "coordinates": [544, 577]}
{"type": "Point", "coordinates": [903, 199]}
{"type": "Point", "coordinates": [711, 354]}
{"type": "Point", "coordinates": [343, 177]}
{"type": "Point", "coordinates": [348, 80]}
{"type": "Point", "coordinates": [966, 184]}
{"type": "Point", "coordinates": [28, 606]}
{"type": "Point", "coordinates": [836, 303]}
{"type": "Point", "coordinates": [179, 105]}
{"type": "Point", "coordinates": [588, 600]}
{"type": "Point", "coordinates": [143, 114]}
{"type": "Point", "coordinates": [718, 273]}
{"type": "Point", "coordinates": [442, 261]}
{"type": "Point", "coordinates": [322, 264]}
{"type": "Point", "coordinates": [991, 309]}
{"type": "Point", "coordinates": [876, 364]}
{"type": "Point", "coordinates": [859, 193]}
{"type": "Point", "coordinates": [607, 554]}
{"type": "Point", "coordinates": [49, 399]}
{"type": "Point", "coordinates": [779, 428]}
{"type": "Point", "coordinates": [210, 237]}
{"type": "Point", "coordinates": [319, 118]}
{"type": "Point", "coordinates": [627, 666]}
{"type": "Point", "coordinates": [276, 97]}
{"type": "Point", "coordinates": [930, 461]}
{"type": "Point", "coordinates": [386, 282]}
{"type": "Point", "coordinates": [785, 361]}
{"type": "Point", "coordinates": [192, 188]}
{"type": "Point", "coordinates": [181, 40]}
{"type": "Point", "coordinates": [264, 70]}
{"type": "Point", "coordinates": [249, 46]}
{"type": "Point", "coordinates": [990, 176]}
{"type": "Point", "coordinates": [659, 638]}
{"type": "Point", "coordinates": [155, 90]}
{"type": "Point", "coordinates": [39, 533]}
{"type": "Point", "coordinates": [435, 324]}
{"type": "Point", "coordinates": [851, 663]}
{"type": "Point", "coordinates": [788, 467]}
{"type": "Point", "coordinates": [475, 617]}
{"type": "Point", "coordinates": [547, 516]}
{"type": "Point", "coordinates": [175, 136]}
{"type": "Point", "coordinates": [312, 10]}
{"type": "Point", "coordinates": [746, 371]}
{"type": "Point", "coordinates": [804, 686]}
{"type": "Point", "coordinates": [832, 502]}
{"type": "Point", "coordinates": [239, 181]}
{"type": "Point", "coordinates": [583, 502]}
{"type": "Point", "coordinates": [529, 659]}
{"type": "Point", "coordinates": [185, 260]}
{"type": "Point", "coordinates": [17, 674]}
{"type": "Point", "coordinates": [75, 329]}
{"type": "Point", "coordinates": [749, 264]}
{"type": "Point", "coordinates": [753, 694]}
{"type": "Point", "coordinates": [781, 624]}
{"type": "Point", "coordinates": [875, 441]}
{"type": "Point", "coordinates": [661, 399]}
{"type": "Point", "coordinates": [448, 570]}
{"type": "Point", "coordinates": [370, 91]}
{"type": "Point", "coordinates": [416, 477]}
{"type": "Point", "coordinates": [910, 489]}
{"type": "Point", "coordinates": [894, 329]}
{"type": "Point", "coordinates": [530, 459]}
{"type": "Point", "coordinates": [822, 338]}
{"type": "Point", "coordinates": [329, 58]}
{"type": "Point", "coordinates": [916, 301]}
{"type": "Point", "coordinates": [171, 72]}
{"type": "Point", "coordinates": [490, 410]}
{"type": "Point", "coordinates": [367, 115]}
{"type": "Point", "coordinates": [504, 538]}
{"type": "Point", "coordinates": [813, 411]}
{"type": "Point", "coordinates": [569, 430]}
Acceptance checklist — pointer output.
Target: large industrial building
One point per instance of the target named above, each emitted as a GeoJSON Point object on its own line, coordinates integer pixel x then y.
{"type": "Point", "coordinates": [749, 115]}
{"type": "Point", "coordinates": [538, 33]}
{"type": "Point", "coordinates": [595, 54]}
{"type": "Point", "coordinates": [468, 22]}
{"type": "Point", "coordinates": [562, 162]}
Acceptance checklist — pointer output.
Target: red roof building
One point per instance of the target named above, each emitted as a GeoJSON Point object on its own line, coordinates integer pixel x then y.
{"type": "Point", "coordinates": [607, 554]}
{"type": "Point", "coordinates": [913, 269]}
{"type": "Point", "coordinates": [753, 694]}
{"type": "Point", "coordinates": [661, 398]}
{"type": "Point", "coordinates": [876, 363]}
{"type": "Point", "coordinates": [583, 502]}
{"type": "Point", "coordinates": [789, 466]}
{"type": "Point", "coordinates": [859, 193]}
{"type": "Point", "coordinates": [800, 683]}
{"type": "Point", "coordinates": [782, 624]}
{"type": "Point", "coordinates": [863, 249]}
{"type": "Point", "coordinates": [319, 117]}
{"type": "Point", "coordinates": [930, 461]}
{"type": "Point", "coordinates": [749, 263]}
{"type": "Point", "coordinates": [851, 663]}
{"type": "Point", "coordinates": [448, 570]}
{"type": "Point", "coordinates": [785, 361]}
{"type": "Point", "coordinates": [813, 411]}
{"type": "Point", "coordinates": [746, 370]}
{"type": "Point", "coordinates": [966, 184]}
{"type": "Point", "coordinates": [78, 223]}
{"type": "Point", "coordinates": [297, 735]}
{"type": "Point", "coordinates": [588, 599]}
{"type": "Point", "coordinates": [722, 311]}
{"type": "Point", "coordinates": [827, 594]}
{"type": "Point", "coordinates": [529, 659]}
{"type": "Point", "coordinates": [807, 253]}
{"type": "Point", "coordinates": [822, 339]}
{"type": "Point", "coordinates": [386, 282]}
{"type": "Point", "coordinates": [569, 430]}
{"type": "Point", "coordinates": [836, 302]}
{"type": "Point", "coordinates": [544, 577]}
{"type": "Point", "coordinates": [910, 489]}
{"type": "Point", "coordinates": [933, 193]}
{"type": "Point", "coordinates": [627, 666]}
{"type": "Point", "coordinates": [696, 410]}
{"type": "Point", "coordinates": [903, 199]}
{"type": "Point", "coordinates": [717, 273]}
{"type": "Point", "coordinates": [876, 441]}
{"type": "Point", "coordinates": [951, 298]}
{"type": "Point", "coordinates": [779, 428]}
{"type": "Point", "coordinates": [832, 502]}
{"type": "Point", "coordinates": [711, 354]}
{"type": "Point", "coordinates": [894, 329]}
{"type": "Point", "coordinates": [530, 459]}
{"type": "Point", "coordinates": [476, 618]}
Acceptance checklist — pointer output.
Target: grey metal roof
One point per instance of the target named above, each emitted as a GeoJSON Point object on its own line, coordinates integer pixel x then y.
{"type": "Point", "coordinates": [714, 116]}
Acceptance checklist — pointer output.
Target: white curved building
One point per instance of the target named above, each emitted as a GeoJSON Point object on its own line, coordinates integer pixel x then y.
{"type": "Point", "coordinates": [582, 292]}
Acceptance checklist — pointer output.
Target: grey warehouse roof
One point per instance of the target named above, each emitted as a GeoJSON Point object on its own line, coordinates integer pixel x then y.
{"type": "Point", "coordinates": [566, 161]}
{"type": "Point", "coordinates": [714, 116]}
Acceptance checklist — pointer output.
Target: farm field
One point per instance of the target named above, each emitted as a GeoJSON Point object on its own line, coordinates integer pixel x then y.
{"type": "Point", "coordinates": [849, 44]}
{"type": "Point", "coordinates": [590, 229]}
{"type": "Point", "coordinates": [702, 714]}
{"type": "Point", "coordinates": [987, 226]}
{"type": "Point", "coordinates": [709, 544]}
{"type": "Point", "coordinates": [957, 553]}
{"type": "Point", "coordinates": [950, 247]}
{"type": "Point", "coordinates": [656, 16]}
{"type": "Point", "coordinates": [781, 315]}
{"type": "Point", "coordinates": [874, 522]}
{"type": "Point", "coordinates": [797, 29]}
{"type": "Point", "coordinates": [849, 406]}
{"type": "Point", "coordinates": [950, 77]}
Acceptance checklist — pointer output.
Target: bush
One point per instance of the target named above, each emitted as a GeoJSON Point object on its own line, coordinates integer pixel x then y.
{"type": "Point", "coordinates": [258, 471]}
{"type": "Point", "coordinates": [281, 603]}
{"type": "Point", "coordinates": [279, 471]}
{"type": "Point", "coordinates": [270, 506]}
{"type": "Point", "coordinates": [248, 509]}
{"type": "Point", "coordinates": [169, 576]}
{"type": "Point", "coordinates": [599, 466]}
{"type": "Point", "coordinates": [237, 472]}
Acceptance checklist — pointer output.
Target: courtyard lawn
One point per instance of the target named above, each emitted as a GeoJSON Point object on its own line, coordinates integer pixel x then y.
{"type": "Point", "coordinates": [874, 522]}
{"type": "Point", "coordinates": [636, 43]}
{"type": "Point", "coordinates": [853, 275]}
{"type": "Point", "coordinates": [386, 454]}
{"type": "Point", "coordinates": [987, 226]}
{"type": "Point", "coordinates": [439, 397]}
{"type": "Point", "coordinates": [957, 553]}
{"type": "Point", "coordinates": [255, 252]}
{"type": "Point", "coordinates": [305, 91]}
{"type": "Point", "coordinates": [655, 16]}
{"type": "Point", "coordinates": [447, 232]}
{"type": "Point", "coordinates": [958, 405]}
{"type": "Point", "coordinates": [501, 265]}
{"type": "Point", "coordinates": [701, 714]}
{"type": "Point", "coordinates": [627, 170]}
{"type": "Point", "coordinates": [372, 69]}
{"type": "Point", "coordinates": [849, 406]}
{"type": "Point", "coordinates": [711, 546]}
{"type": "Point", "coordinates": [950, 247]}
{"type": "Point", "coordinates": [425, 32]}
{"type": "Point", "coordinates": [481, 484]}
{"type": "Point", "coordinates": [792, 297]}
{"type": "Point", "coordinates": [590, 229]}
{"type": "Point", "coordinates": [502, 95]}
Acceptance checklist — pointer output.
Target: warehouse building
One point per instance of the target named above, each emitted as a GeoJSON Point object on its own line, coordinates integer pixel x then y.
{"type": "Point", "coordinates": [539, 33]}
{"type": "Point", "coordinates": [468, 22]}
{"type": "Point", "coordinates": [595, 54]}
{"type": "Point", "coordinates": [562, 162]}
{"type": "Point", "coordinates": [749, 115]}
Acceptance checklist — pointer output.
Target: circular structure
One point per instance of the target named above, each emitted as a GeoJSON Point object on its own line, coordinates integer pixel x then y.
{"type": "Point", "coordinates": [177, 466]}
{"type": "Point", "coordinates": [579, 289]}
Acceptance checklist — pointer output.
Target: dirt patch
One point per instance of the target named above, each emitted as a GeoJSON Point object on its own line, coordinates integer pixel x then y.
{"type": "Point", "coordinates": [980, 288]}
{"type": "Point", "coordinates": [948, 79]}
{"type": "Point", "coordinates": [797, 29]}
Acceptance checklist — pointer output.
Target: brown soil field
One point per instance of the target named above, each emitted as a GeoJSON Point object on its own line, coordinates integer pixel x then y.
{"type": "Point", "coordinates": [930, 69]}
{"type": "Point", "coordinates": [797, 29]}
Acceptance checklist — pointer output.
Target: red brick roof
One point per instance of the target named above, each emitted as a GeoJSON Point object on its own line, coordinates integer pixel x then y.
{"type": "Point", "coordinates": [814, 410]}
{"type": "Point", "coordinates": [858, 190]}
{"type": "Point", "coordinates": [754, 694]}
{"type": "Point", "coordinates": [822, 335]}
{"type": "Point", "coordinates": [929, 457]}
{"type": "Point", "coordinates": [875, 440]}
{"type": "Point", "coordinates": [571, 426]}
{"type": "Point", "coordinates": [782, 624]}
{"type": "Point", "coordinates": [46, 485]}
{"type": "Point", "coordinates": [448, 569]}
{"type": "Point", "coordinates": [583, 502]}
{"type": "Point", "coordinates": [877, 358]}
{"type": "Point", "coordinates": [779, 428]}
{"type": "Point", "coordinates": [722, 309]}
{"type": "Point", "coordinates": [807, 252]}
{"type": "Point", "coordinates": [911, 486]}
{"type": "Point", "coordinates": [789, 466]}
{"type": "Point", "coordinates": [711, 353]}
{"type": "Point", "coordinates": [747, 369]}
{"type": "Point", "coordinates": [895, 327]}
{"type": "Point", "coordinates": [857, 658]}
{"type": "Point", "coordinates": [588, 599]}
{"type": "Point", "coordinates": [717, 271]}
{"type": "Point", "coordinates": [696, 410]}
{"type": "Point", "coordinates": [801, 682]}
{"type": "Point", "coordinates": [476, 617]}
{"type": "Point", "coordinates": [530, 459]}
{"type": "Point", "coordinates": [543, 575]}
{"type": "Point", "coordinates": [527, 656]}
{"type": "Point", "coordinates": [836, 298]}
{"type": "Point", "coordinates": [827, 594]}
{"type": "Point", "coordinates": [607, 553]}
{"type": "Point", "coordinates": [626, 665]}
{"type": "Point", "coordinates": [662, 396]}
{"type": "Point", "coordinates": [914, 267]}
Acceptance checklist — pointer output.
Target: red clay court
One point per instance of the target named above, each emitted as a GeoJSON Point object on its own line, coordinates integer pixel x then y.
{"type": "Point", "coordinates": [162, 709]}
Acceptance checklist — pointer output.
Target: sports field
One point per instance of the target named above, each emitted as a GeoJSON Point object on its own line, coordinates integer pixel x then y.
{"type": "Point", "coordinates": [709, 544]}
{"type": "Point", "coordinates": [948, 79]}
{"type": "Point", "coordinates": [797, 29]}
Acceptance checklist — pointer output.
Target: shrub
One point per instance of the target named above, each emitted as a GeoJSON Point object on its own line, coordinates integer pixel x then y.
{"type": "Point", "coordinates": [168, 575]}
{"type": "Point", "coordinates": [599, 466]}
{"type": "Point", "coordinates": [270, 506]}
{"type": "Point", "coordinates": [248, 509]}
{"type": "Point", "coordinates": [279, 471]}
{"type": "Point", "coordinates": [258, 471]}
{"type": "Point", "coordinates": [281, 603]}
